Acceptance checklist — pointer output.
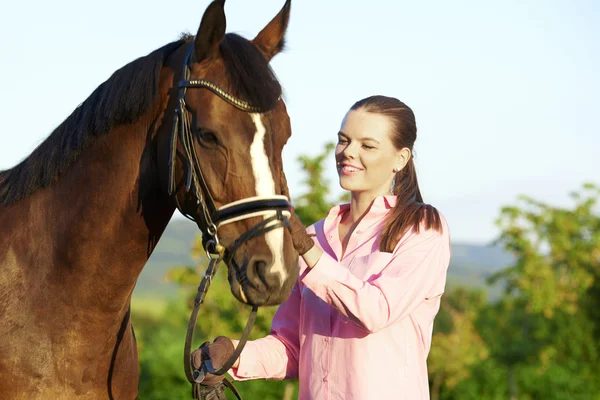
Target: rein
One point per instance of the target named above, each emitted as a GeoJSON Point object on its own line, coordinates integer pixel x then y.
{"type": "Point", "coordinates": [196, 377]}
{"type": "Point", "coordinates": [275, 209]}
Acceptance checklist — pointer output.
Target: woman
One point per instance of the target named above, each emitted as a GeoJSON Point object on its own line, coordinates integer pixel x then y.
{"type": "Point", "coordinates": [359, 321]}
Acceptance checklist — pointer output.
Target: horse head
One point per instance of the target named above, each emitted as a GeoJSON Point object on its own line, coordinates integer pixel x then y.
{"type": "Point", "coordinates": [224, 152]}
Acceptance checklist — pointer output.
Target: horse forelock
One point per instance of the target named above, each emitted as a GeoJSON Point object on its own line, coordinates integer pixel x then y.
{"type": "Point", "coordinates": [249, 74]}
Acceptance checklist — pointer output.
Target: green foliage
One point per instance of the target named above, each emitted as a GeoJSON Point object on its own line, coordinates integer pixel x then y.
{"type": "Point", "coordinates": [160, 344]}
{"type": "Point", "coordinates": [457, 346]}
{"type": "Point", "coordinates": [555, 279]}
{"type": "Point", "coordinates": [540, 339]}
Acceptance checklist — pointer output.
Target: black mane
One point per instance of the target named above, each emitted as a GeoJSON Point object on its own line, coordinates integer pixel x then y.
{"type": "Point", "coordinates": [128, 93]}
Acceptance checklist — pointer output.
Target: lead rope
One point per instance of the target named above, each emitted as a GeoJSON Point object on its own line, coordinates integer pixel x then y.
{"type": "Point", "coordinates": [195, 377]}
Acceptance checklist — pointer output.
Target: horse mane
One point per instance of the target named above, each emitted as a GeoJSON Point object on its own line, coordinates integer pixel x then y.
{"type": "Point", "coordinates": [121, 100]}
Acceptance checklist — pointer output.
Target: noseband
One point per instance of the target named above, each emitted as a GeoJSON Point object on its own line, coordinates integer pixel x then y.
{"type": "Point", "coordinates": [275, 210]}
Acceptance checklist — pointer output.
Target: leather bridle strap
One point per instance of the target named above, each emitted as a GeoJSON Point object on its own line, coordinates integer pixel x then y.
{"type": "Point", "coordinates": [252, 207]}
{"type": "Point", "coordinates": [197, 376]}
{"type": "Point", "coordinates": [216, 89]}
{"type": "Point", "coordinates": [274, 222]}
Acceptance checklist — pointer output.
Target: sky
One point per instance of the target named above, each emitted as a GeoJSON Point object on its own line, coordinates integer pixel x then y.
{"type": "Point", "coordinates": [505, 93]}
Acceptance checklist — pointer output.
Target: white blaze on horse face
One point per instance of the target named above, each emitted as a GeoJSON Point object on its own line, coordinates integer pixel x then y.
{"type": "Point", "coordinates": [265, 186]}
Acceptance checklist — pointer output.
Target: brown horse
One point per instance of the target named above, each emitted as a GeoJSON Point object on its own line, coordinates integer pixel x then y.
{"type": "Point", "coordinates": [80, 216]}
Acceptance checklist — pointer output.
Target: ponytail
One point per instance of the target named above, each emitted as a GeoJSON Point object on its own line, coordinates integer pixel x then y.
{"type": "Point", "coordinates": [409, 212]}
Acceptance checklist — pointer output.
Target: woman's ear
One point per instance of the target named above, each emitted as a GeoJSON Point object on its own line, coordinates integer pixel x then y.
{"type": "Point", "coordinates": [404, 156]}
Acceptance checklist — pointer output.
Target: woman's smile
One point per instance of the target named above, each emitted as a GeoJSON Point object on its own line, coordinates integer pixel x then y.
{"type": "Point", "coordinates": [349, 169]}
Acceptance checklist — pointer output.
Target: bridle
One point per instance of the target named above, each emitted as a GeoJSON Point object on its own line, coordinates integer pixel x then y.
{"type": "Point", "coordinates": [275, 210]}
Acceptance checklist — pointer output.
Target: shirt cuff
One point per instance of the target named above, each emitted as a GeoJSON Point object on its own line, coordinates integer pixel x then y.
{"type": "Point", "coordinates": [248, 359]}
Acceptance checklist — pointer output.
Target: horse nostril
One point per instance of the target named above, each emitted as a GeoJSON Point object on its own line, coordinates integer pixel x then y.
{"type": "Point", "coordinates": [260, 265]}
{"type": "Point", "coordinates": [261, 268]}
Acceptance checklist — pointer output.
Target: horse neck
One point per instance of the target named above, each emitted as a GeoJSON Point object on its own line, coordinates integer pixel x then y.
{"type": "Point", "coordinates": [101, 220]}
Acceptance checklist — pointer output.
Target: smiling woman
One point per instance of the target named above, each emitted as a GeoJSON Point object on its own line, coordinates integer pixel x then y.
{"type": "Point", "coordinates": [371, 276]}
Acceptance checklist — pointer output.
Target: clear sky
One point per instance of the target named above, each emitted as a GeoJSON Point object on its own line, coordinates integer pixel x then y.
{"type": "Point", "coordinates": [506, 93]}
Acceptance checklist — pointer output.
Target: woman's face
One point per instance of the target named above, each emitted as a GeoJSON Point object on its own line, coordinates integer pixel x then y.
{"type": "Point", "coordinates": [365, 156]}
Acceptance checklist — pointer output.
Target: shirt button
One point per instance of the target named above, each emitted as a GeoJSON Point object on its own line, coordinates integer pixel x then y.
{"type": "Point", "coordinates": [326, 340]}
{"type": "Point", "coordinates": [325, 379]}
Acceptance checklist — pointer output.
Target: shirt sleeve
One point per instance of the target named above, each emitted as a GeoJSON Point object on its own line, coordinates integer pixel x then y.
{"type": "Point", "coordinates": [415, 272]}
{"type": "Point", "coordinates": [276, 355]}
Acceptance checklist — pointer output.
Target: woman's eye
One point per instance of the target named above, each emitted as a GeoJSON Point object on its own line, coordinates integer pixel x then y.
{"type": "Point", "coordinates": [342, 141]}
{"type": "Point", "coordinates": [365, 146]}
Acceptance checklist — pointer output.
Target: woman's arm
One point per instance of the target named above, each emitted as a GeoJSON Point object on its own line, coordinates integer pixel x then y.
{"type": "Point", "coordinates": [276, 355]}
{"type": "Point", "coordinates": [411, 275]}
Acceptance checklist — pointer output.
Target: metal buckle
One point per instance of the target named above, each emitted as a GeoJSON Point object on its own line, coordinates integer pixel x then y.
{"type": "Point", "coordinates": [214, 249]}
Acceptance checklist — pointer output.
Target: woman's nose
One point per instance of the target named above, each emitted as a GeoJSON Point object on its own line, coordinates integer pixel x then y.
{"type": "Point", "coordinates": [349, 151]}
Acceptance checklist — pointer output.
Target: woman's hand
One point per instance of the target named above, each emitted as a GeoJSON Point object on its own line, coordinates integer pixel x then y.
{"type": "Point", "coordinates": [302, 242]}
{"type": "Point", "coordinates": [218, 352]}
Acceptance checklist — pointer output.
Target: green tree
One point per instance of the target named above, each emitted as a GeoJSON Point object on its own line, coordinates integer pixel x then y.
{"type": "Point", "coordinates": [540, 339]}
{"type": "Point", "coordinates": [545, 328]}
{"type": "Point", "coordinates": [456, 344]}
{"type": "Point", "coordinates": [557, 250]}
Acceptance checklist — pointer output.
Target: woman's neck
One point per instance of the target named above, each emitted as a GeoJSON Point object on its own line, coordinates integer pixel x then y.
{"type": "Point", "coordinates": [360, 204]}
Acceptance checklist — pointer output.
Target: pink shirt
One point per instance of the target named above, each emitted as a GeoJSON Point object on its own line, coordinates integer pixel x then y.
{"type": "Point", "coordinates": [358, 327]}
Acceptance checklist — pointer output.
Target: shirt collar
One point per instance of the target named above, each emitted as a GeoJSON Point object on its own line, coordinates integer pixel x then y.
{"type": "Point", "coordinates": [380, 203]}
{"type": "Point", "coordinates": [373, 219]}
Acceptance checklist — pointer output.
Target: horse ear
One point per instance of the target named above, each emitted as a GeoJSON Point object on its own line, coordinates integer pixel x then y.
{"type": "Point", "coordinates": [271, 39]}
{"type": "Point", "coordinates": [211, 31]}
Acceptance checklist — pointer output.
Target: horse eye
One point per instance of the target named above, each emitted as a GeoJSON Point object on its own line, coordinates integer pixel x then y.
{"type": "Point", "coordinates": [207, 137]}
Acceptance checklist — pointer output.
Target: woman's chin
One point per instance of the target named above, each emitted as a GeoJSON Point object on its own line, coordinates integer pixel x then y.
{"type": "Point", "coordinates": [349, 184]}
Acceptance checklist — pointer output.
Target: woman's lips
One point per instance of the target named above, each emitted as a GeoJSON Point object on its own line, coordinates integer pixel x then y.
{"type": "Point", "coordinates": [348, 169]}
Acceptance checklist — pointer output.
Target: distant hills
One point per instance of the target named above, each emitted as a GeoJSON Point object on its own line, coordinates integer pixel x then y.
{"type": "Point", "coordinates": [470, 264]}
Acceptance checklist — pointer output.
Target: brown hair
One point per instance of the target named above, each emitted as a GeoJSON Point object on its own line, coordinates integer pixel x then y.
{"type": "Point", "coordinates": [410, 211]}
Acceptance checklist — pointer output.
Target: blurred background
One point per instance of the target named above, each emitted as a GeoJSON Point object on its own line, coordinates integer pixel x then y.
{"type": "Point", "coordinates": [505, 96]}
